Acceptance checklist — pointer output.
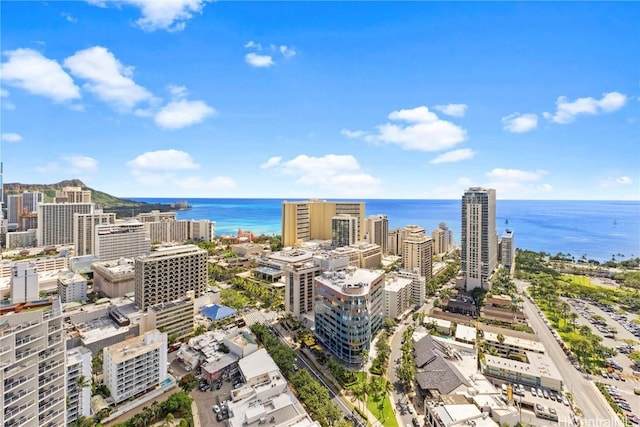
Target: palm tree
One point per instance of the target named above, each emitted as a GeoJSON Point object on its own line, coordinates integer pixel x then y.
{"type": "Point", "coordinates": [573, 316]}
{"type": "Point", "coordinates": [81, 383]}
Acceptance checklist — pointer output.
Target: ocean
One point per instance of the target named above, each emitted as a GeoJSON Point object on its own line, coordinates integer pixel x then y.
{"type": "Point", "coordinates": [597, 229]}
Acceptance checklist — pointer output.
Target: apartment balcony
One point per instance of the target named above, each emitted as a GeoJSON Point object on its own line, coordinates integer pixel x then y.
{"type": "Point", "coordinates": [15, 411]}
{"type": "Point", "coordinates": [11, 384]}
{"type": "Point", "coordinates": [50, 378]}
{"type": "Point", "coordinates": [22, 326]}
{"type": "Point", "coordinates": [28, 352]}
{"type": "Point", "coordinates": [50, 366]}
{"type": "Point", "coordinates": [55, 340]}
{"type": "Point", "coordinates": [50, 416]}
{"type": "Point", "coordinates": [55, 328]}
{"type": "Point", "coordinates": [10, 398]}
{"type": "Point", "coordinates": [50, 353]}
{"type": "Point", "coordinates": [49, 391]}
{"type": "Point", "coordinates": [26, 339]}
{"type": "Point", "coordinates": [51, 403]}
{"type": "Point", "coordinates": [22, 421]}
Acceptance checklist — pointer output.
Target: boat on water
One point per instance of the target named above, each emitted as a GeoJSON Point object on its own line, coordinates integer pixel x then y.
{"type": "Point", "coordinates": [181, 205]}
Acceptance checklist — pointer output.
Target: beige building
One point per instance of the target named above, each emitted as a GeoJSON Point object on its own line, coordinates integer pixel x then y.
{"type": "Point", "coordinates": [156, 216]}
{"type": "Point", "coordinates": [114, 279]}
{"type": "Point", "coordinates": [125, 240]}
{"type": "Point", "coordinates": [32, 365]}
{"type": "Point", "coordinates": [300, 287]}
{"type": "Point", "coordinates": [84, 230]}
{"type": "Point", "coordinates": [507, 250]}
{"type": "Point", "coordinates": [73, 195]}
{"type": "Point", "coordinates": [376, 230]}
{"type": "Point", "coordinates": [312, 220]}
{"type": "Point", "coordinates": [417, 253]}
{"type": "Point", "coordinates": [168, 273]}
{"type": "Point", "coordinates": [135, 365]}
{"type": "Point", "coordinates": [479, 243]}
{"type": "Point", "coordinates": [174, 317]}
{"type": "Point", "coordinates": [442, 239]}
{"type": "Point", "coordinates": [55, 222]}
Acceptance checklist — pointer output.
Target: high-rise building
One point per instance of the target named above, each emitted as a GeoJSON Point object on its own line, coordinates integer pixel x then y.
{"type": "Point", "coordinates": [32, 364]}
{"type": "Point", "coordinates": [156, 215]}
{"type": "Point", "coordinates": [395, 241]}
{"type": "Point", "coordinates": [78, 383]}
{"type": "Point", "coordinates": [508, 250]}
{"type": "Point", "coordinates": [135, 365]}
{"type": "Point", "coordinates": [417, 251]}
{"type": "Point", "coordinates": [299, 287]}
{"type": "Point", "coordinates": [24, 282]}
{"type": "Point", "coordinates": [418, 286]}
{"type": "Point", "coordinates": [55, 222]}
{"type": "Point", "coordinates": [311, 220]}
{"type": "Point", "coordinates": [14, 208]}
{"type": "Point", "coordinates": [479, 242]}
{"type": "Point", "coordinates": [376, 230]}
{"type": "Point", "coordinates": [126, 240]}
{"type": "Point", "coordinates": [442, 239]}
{"type": "Point", "coordinates": [349, 310]}
{"type": "Point", "coordinates": [344, 230]}
{"type": "Point", "coordinates": [167, 273]}
{"type": "Point", "coordinates": [30, 200]}
{"type": "Point", "coordinates": [84, 230]}
{"type": "Point", "coordinates": [72, 195]}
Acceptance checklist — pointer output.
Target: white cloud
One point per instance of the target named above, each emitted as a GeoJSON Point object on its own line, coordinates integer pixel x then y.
{"type": "Point", "coordinates": [11, 137]}
{"type": "Point", "coordinates": [4, 93]}
{"type": "Point", "coordinates": [170, 15]}
{"type": "Point", "coordinates": [71, 164]}
{"type": "Point", "coordinates": [273, 161]}
{"type": "Point", "coordinates": [425, 131]}
{"type": "Point", "coordinates": [79, 164]}
{"type": "Point", "coordinates": [333, 172]}
{"type": "Point", "coordinates": [617, 181]}
{"type": "Point", "coordinates": [107, 78]}
{"type": "Point", "coordinates": [566, 111]}
{"type": "Point", "coordinates": [183, 113]}
{"type": "Point", "coordinates": [253, 45]}
{"type": "Point", "coordinates": [258, 61]}
{"type": "Point", "coordinates": [454, 156]}
{"type": "Point", "coordinates": [520, 123]}
{"type": "Point", "coordinates": [29, 70]}
{"type": "Point", "coordinates": [163, 160]}
{"type": "Point", "coordinates": [287, 51]}
{"type": "Point", "coordinates": [455, 110]}
{"type": "Point", "coordinates": [353, 134]}
{"type": "Point", "coordinates": [515, 175]}
{"type": "Point", "coordinates": [178, 92]}
{"type": "Point", "coordinates": [69, 17]}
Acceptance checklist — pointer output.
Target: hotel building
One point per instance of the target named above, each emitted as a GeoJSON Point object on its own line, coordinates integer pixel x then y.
{"type": "Point", "coordinates": [417, 251]}
{"type": "Point", "coordinates": [344, 230]}
{"type": "Point", "coordinates": [479, 243]}
{"type": "Point", "coordinates": [167, 273]}
{"type": "Point", "coordinates": [312, 220]}
{"type": "Point", "coordinates": [84, 230]}
{"type": "Point", "coordinates": [442, 239]}
{"type": "Point", "coordinates": [55, 222]}
{"type": "Point", "coordinates": [126, 240]}
{"type": "Point", "coordinates": [135, 365]}
{"type": "Point", "coordinates": [72, 195]}
{"type": "Point", "coordinates": [507, 250]}
{"type": "Point", "coordinates": [376, 230]}
{"type": "Point", "coordinates": [349, 310]}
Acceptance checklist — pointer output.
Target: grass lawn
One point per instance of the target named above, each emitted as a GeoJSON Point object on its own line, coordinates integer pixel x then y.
{"type": "Point", "coordinates": [382, 409]}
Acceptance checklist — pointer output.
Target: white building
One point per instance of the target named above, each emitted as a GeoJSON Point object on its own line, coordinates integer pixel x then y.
{"type": "Point", "coordinates": [71, 287]}
{"type": "Point", "coordinates": [538, 371]}
{"type": "Point", "coordinates": [135, 365]}
{"type": "Point", "coordinates": [32, 365]}
{"type": "Point", "coordinates": [397, 296]}
{"type": "Point", "coordinates": [125, 240]}
{"type": "Point", "coordinates": [418, 285]}
{"type": "Point", "coordinates": [84, 230]}
{"type": "Point", "coordinates": [78, 383]}
{"type": "Point", "coordinates": [55, 222]}
{"type": "Point", "coordinates": [508, 250]}
{"type": "Point", "coordinates": [479, 244]}
{"type": "Point", "coordinates": [24, 282]}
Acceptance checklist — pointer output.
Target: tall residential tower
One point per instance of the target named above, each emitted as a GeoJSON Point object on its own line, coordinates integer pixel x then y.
{"type": "Point", "coordinates": [479, 238]}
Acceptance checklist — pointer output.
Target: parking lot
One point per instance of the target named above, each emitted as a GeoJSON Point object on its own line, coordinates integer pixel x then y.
{"type": "Point", "coordinates": [552, 407]}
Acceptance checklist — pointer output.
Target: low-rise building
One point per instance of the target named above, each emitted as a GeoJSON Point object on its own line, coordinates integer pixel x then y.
{"type": "Point", "coordinates": [457, 415]}
{"type": "Point", "coordinates": [539, 370]}
{"type": "Point", "coordinates": [114, 279]}
{"type": "Point", "coordinates": [176, 318]}
{"type": "Point", "coordinates": [71, 287]}
{"type": "Point", "coordinates": [136, 365]}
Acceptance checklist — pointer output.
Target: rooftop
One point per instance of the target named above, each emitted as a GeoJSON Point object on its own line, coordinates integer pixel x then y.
{"type": "Point", "coordinates": [256, 364]}
{"type": "Point", "coordinates": [136, 346]}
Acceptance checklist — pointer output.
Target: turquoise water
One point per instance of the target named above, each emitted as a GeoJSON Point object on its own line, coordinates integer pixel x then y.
{"type": "Point", "coordinates": [597, 229]}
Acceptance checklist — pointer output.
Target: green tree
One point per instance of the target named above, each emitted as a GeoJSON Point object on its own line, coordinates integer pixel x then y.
{"type": "Point", "coordinates": [188, 382]}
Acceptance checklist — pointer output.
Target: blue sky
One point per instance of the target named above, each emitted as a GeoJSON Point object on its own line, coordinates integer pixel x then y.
{"type": "Point", "coordinates": [189, 98]}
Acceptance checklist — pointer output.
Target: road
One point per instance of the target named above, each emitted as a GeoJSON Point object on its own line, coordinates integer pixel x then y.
{"type": "Point", "coordinates": [595, 409]}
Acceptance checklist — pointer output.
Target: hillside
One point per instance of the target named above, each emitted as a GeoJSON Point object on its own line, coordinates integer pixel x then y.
{"type": "Point", "coordinates": [109, 203]}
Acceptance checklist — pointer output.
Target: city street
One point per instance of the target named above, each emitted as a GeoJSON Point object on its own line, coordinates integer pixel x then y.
{"type": "Point", "coordinates": [596, 410]}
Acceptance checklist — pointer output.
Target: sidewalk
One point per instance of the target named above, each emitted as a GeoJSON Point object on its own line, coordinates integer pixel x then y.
{"type": "Point", "coordinates": [194, 411]}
